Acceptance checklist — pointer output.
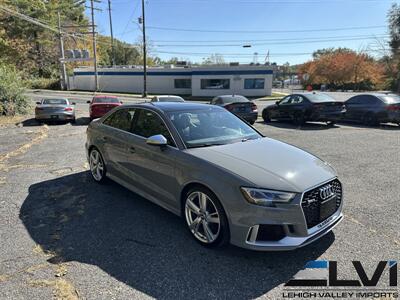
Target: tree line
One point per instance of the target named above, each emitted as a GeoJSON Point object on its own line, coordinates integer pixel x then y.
{"type": "Point", "coordinates": [343, 68]}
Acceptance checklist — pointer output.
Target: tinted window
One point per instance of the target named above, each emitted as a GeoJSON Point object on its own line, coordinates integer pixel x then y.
{"type": "Point", "coordinates": [211, 126]}
{"type": "Point", "coordinates": [286, 100]}
{"type": "Point", "coordinates": [215, 84]}
{"type": "Point", "coordinates": [256, 83]}
{"type": "Point", "coordinates": [371, 100]}
{"type": "Point", "coordinates": [149, 124]}
{"type": "Point", "coordinates": [105, 100]}
{"type": "Point", "coordinates": [354, 100]}
{"type": "Point", "coordinates": [121, 119]}
{"type": "Point", "coordinates": [183, 83]}
{"type": "Point", "coordinates": [55, 101]}
{"type": "Point", "coordinates": [297, 99]}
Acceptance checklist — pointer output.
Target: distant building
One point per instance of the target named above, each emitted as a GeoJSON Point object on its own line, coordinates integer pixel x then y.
{"type": "Point", "coordinates": [247, 80]}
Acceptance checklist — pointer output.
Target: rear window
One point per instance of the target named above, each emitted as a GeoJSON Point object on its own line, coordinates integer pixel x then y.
{"type": "Point", "coordinates": [234, 99]}
{"type": "Point", "coordinates": [320, 98]}
{"type": "Point", "coordinates": [105, 100]}
{"type": "Point", "coordinates": [170, 99]}
{"type": "Point", "coordinates": [54, 101]}
{"type": "Point", "coordinates": [390, 99]}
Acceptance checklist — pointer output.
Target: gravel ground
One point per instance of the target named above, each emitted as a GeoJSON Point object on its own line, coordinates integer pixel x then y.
{"type": "Point", "coordinates": [64, 236]}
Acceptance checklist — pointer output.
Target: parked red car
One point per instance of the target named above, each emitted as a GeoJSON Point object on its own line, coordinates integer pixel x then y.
{"type": "Point", "coordinates": [102, 104]}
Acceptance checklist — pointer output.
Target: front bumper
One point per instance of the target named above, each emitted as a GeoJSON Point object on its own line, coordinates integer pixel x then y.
{"type": "Point", "coordinates": [246, 223]}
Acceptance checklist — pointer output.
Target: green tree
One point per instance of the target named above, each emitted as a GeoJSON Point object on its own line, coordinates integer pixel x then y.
{"type": "Point", "coordinates": [394, 30]}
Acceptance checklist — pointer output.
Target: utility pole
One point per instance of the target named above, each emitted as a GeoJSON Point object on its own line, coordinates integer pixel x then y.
{"type": "Point", "coordinates": [111, 32]}
{"type": "Point", "coordinates": [144, 53]}
{"type": "Point", "coordinates": [63, 69]}
{"type": "Point", "coordinates": [96, 83]}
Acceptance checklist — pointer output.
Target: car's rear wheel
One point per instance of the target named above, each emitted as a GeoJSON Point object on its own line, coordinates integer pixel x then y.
{"type": "Point", "coordinates": [252, 122]}
{"type": "Point", "coordinates": [97, 166]}
{"type": "Point", "coordinates": [205, 218]}
{"type": "Point", "coordinates": [370, 119]}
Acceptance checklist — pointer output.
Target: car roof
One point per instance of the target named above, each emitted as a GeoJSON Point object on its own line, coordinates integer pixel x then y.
{"type": "Point", "coordinates": [168, 96]}
{"type": "Point", "coordinates": [230, 96]}
{"type": "Point", "coordinates": [173, 106]}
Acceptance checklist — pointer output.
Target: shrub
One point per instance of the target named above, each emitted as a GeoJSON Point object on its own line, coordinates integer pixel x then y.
{"type": "Point", "coordinates": [44, 83]}
{"type": "Point", "coordinates": [12, 98]}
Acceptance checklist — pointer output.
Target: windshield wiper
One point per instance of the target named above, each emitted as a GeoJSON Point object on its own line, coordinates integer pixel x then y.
{"type": "Point", "coordinates": [206, 145]}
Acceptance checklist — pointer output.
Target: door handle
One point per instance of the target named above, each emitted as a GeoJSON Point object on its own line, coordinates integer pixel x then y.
{"type": "Point", "coordinates": [132, 150]}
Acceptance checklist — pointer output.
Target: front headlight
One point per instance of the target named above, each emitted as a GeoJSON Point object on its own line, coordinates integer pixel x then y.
{"type": "Point", "coordinates": [266, 197]}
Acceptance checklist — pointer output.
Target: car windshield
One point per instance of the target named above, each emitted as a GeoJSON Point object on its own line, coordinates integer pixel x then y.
{"type": "Point", "coordinates": [55, 101]}
{"type": "Point", "coordinates": [234, 99]}
{"type": "Point", "coordinates": [320, 98]}
{"type": "Point", "coordinates": [209, 127]}
{"type": "Point", "coordinates": [170, 99]}
{"type": "Point", "coordinates": [105, 100]}
{"type": "Point", "coordinates": [391, 99]}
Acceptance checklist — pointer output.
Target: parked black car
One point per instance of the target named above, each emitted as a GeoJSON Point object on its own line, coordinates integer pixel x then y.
{"type": "Point", "coordinates": [372, 109]}
{"type": "Point", "coordinates": [300, 108]}
{"type": "Point", "coordinates": [239, 105]}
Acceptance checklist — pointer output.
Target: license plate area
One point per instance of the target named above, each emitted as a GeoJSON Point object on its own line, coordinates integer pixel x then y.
{"type": "Point", "coordinates": [54, 117]}
{"type": "Point", "coordinates": [328, 208]}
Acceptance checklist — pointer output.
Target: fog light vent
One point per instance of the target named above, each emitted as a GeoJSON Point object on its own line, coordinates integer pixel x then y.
{"type": "Point", "coordinates": [270, 233]}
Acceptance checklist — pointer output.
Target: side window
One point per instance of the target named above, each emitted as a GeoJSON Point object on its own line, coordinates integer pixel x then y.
{"type": "Point", "coordinates": [121, 119]}
{"type": "Point", "coordinates": [149, 123]}
{"type": "Point", "coordinates": [297, 99]}
{"type": "Point", "coordinates": [371, 100]}
{"type": "Point", "coordinates": [354, 100]}
{"type": "Point", "coordinates": [286, 100]}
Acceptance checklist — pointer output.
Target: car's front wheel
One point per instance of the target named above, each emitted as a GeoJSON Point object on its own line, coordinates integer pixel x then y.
{"type": "Point", "coordinates": [205, 218]}
{"type": "Point", "coordinates": [266, 117]}
{"type": "Point", "coordinates": [97, 166]}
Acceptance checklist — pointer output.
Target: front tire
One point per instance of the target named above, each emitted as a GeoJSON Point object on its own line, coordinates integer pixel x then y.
{"type": "Point", "coordinates": [266, 117]}
{"type": "Point", "coordinates": [205, 218]}
{"type": "Point", "coordinates": [97, 166]}
{"type": "Point", "coordinates": [370, 119]}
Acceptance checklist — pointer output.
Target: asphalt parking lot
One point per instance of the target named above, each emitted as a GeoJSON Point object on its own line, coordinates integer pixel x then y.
{"type": "Point", "coordinates": [62, 235]}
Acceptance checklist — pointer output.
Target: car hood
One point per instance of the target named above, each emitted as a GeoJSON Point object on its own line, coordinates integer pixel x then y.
{"type": "Point", "coordinates": [268, 163]}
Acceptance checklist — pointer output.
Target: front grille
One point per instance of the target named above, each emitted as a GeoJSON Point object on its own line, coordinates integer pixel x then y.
{"type": "Point", "coordinates": [312, 203]}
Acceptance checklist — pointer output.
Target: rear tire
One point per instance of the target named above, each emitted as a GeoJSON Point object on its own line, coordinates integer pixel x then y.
{"type": "Point", "coordinates": [205, 218]}
{"type": "Point", "coordinates": [370, 119]}
{"type": "Point", "coordinates": [252, 122]}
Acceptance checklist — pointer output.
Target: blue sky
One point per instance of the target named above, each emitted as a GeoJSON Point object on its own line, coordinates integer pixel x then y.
{"type": "Point", "coordinates": [234, 23]}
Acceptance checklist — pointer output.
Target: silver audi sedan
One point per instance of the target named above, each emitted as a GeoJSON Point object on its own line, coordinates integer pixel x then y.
{"type": "Point", "coordinates": [228, 181]}
{"type": "Point", "coordinates": [55, 109]}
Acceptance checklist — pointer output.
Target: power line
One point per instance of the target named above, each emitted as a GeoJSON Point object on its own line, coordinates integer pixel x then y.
{"type": "Point", "coordinates": [269, 43]}
{"type": "Point", "coordinates": [267, 40]}
{"type": "Point", "coordinates": [263, 31]}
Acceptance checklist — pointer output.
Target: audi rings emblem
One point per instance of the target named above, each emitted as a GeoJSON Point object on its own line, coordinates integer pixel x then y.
{"type": "Point", "coordinates": [326, 192]}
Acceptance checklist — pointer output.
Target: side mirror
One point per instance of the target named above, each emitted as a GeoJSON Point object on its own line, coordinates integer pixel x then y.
{"type": "Point", "coordinates": [121, 102]}
{"type": "Point", "coordinates": [157, 140]}
{"type": "Point", "coordinates": [73, 103]}
{"type": "Point", "coordinates": [88, 102]}
{"type": "Point", "coordinates": [37, 102]}
{"type": "Point", "coordinates": [277, 102]}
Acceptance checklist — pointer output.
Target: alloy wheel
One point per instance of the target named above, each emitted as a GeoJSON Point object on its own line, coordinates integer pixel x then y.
{"type": "Point", "coordinates": [96, 165]}
{"type": "Point", "coordinates": [202, 217]}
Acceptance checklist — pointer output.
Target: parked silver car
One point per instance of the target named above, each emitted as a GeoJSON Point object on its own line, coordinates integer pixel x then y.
{"type": "Point", "coordinates": [56, 109]}
{"type": "Point", "coordinates": [230, 183]}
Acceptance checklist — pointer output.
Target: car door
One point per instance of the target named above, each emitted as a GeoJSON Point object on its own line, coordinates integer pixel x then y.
{"type": "Point", "coordinates": [116, 131]}
{"type": "Point", "coordinates": [152, 168]}
{"type": "Point", "coordinates": [277, 111]}
{"type": "Point", "coordinates": [284, 108]}
{"type": "Point", "coordinates": [297, 104]}
{"type": "Point", "coordinates": [353, 108]}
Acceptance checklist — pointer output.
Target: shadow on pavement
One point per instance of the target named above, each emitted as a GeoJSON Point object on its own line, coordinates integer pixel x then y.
{"type": "Point", "coordinates": [307, 126]}
{"type": "Point", "coordinates": [146, 247]}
